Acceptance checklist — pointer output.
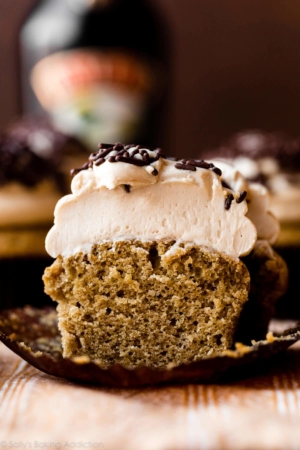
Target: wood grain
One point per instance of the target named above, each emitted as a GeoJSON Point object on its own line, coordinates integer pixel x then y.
{"type": "Point", "coordinates": [260, 412]}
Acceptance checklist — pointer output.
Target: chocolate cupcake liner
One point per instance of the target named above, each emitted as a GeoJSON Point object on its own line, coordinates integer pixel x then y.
{"type": "Point", "coordinates": [33, 334]}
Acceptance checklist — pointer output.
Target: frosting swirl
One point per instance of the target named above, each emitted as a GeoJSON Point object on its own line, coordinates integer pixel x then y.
{"type": "Point", "coordinates": [258, 199]}
{"type": "Point", "coordinates": [137, 193]}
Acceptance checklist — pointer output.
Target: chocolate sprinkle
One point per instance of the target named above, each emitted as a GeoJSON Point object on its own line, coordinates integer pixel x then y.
{"type": "Point", "coordinates": [185, 167]}
{"type": "Point", "coordinates": [134, 161]}
{"type": "Point", "coordinates": [228, 201]}
{"type": "Point", "coordinates": [76, 171]}
{"type": "Point", "coordinates": [105, 152]}
{"type": "Point", "coordinates": [242, 197]}
{"type": "Point", "coordinates": [226, 185]}
{"type": "Point", "coordinates": [99, 161]}
{"type": "Point", "coordinates": [200, 163]}
{"type": "Point", "coordinates": [122, 154]}
{"type": "Point", "coordinates": [101, 146]}
{"type": "Point", "coordinates": [118, 146]}
{"type": "Point", "coordinates": [94, 156]}
{"type": "Point", "coordinates": [191, 164]}
{"type": "Point", "coordinates": [217, 171]}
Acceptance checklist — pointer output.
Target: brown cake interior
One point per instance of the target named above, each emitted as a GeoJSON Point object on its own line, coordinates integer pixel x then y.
{"type": "Point", "coordinates": [147, 303]}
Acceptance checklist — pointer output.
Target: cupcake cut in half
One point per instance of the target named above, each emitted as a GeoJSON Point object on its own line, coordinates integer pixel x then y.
{"type": "Point", "coordinates": [151, 259]}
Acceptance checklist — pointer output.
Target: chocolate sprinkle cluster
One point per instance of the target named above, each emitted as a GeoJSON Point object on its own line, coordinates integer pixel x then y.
{"type": "Point", "coordinates": [44, 139]}
{"type": "Point", "coordinates": [32, 149]}
{"type": "Point", "coordinates": [19, 163]}
{"type": "Point", "coordinates": [122, 155]}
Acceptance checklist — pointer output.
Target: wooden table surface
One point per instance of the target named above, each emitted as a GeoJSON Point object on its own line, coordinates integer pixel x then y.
{"type": "Point", "coordinates": [42, 412]}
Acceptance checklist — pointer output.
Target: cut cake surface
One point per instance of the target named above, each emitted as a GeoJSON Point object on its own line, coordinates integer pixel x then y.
{"type": "Point", "coordinates": [147, 303]}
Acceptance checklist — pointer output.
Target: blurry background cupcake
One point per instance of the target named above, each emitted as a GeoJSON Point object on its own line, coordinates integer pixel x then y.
{"type": "Point", "coordinates": [272, 159]}
{"type": "Point", "coordinates": [62, 151]}
{"type": "Point", "coordinates": [35, 161]}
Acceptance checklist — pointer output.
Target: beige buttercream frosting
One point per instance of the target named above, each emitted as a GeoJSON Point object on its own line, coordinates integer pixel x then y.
{"type": "Point", "coordinates": [258, 199]}
{"type": "Point", "coordinates": [117, 200]}
{"type": "Point", "coordinates": [284, 187]}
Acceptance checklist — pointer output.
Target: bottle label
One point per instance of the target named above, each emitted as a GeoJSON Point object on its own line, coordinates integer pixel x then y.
{"type": "Point", "coordinates": [97, 96]}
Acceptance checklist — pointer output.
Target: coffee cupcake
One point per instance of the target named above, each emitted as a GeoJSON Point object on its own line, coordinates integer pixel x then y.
{"type": "Point", "coordinates": [161, 262]}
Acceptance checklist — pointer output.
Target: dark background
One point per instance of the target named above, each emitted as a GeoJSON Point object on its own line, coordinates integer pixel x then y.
{"type": "Point", "coordinates": [236, 65]}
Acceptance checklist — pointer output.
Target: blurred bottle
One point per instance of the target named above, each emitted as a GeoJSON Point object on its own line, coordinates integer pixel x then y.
{"type": "Point", "coordinates": [98, 68]}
